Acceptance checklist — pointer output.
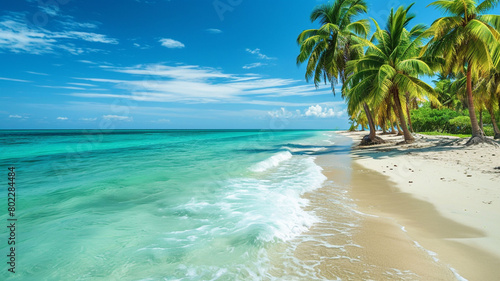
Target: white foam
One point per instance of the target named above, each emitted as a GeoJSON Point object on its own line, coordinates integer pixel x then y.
{"type": "Point", "coordinates": [434, 257]}
{"type": "Point", "coordinates": [271, 162]}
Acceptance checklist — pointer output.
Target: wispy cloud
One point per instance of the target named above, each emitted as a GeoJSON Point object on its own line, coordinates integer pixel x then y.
{"type": "Point", "coordinates": [88, 119]}
{"type": "Point", "coordinates": [171, 43]}
{"type": "Point", "coordinates": [62, 87]}
{"type": "Point", "coordinates": [37, 73]}
{"type": "Point", "coordinates": [259, 54]}
{"type": "Point", "coordinates": [254, 65]}
{"type": "Point", "coordinates": [16, 36]}
{"type": "Point", "coordinates": [117, 117]}
{"type": "Point", "coordinates": [14, 80]}
{"type": "Point", "coordinates": [195, 84]}
{"type": "Point", "coordinates": [62, 118]}
{"type": "Point", "coordinates": [82, 84]}
{"type": "Point", "coordinates": [214, 31]}
{"type": "Point", "coordinates": [15, 116]}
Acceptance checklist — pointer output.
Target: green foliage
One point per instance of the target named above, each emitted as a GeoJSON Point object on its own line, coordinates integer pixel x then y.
{"type": "Point", "coordinates": [460, 125]}
{"type": "Point", "coordinates": [488, 130]}
{"type": "Point", "coordinates": [446, 122]}
{"type": "Point", "coordinates": [426, 119]}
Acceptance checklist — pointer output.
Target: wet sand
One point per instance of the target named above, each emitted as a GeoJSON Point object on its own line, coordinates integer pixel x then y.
{"type": "Point", "coordinates": [410, 232]}
{"type": "Point", "coordinates": [371, 230]}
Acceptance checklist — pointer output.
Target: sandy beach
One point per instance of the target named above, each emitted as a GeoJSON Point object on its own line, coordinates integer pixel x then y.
{"type": "Point", "coordinates": [435, 196]}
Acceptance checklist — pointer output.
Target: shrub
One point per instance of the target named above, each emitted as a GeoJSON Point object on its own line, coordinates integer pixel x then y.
{"type": "Point", "coordinates": [426, 119]}
{"type": "Point", "coordinates": [460, 125]}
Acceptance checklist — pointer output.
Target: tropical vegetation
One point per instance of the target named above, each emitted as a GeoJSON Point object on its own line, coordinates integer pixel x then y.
{"type": "Point", "coordinates": [382, 71]}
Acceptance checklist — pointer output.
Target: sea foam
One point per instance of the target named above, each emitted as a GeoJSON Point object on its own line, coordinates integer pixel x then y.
{"type": "Point", "coordinates": [271, 162]}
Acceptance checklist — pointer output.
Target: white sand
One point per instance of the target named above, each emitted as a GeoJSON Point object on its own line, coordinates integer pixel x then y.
{"type": "Point", "coordinates": [460, 182]}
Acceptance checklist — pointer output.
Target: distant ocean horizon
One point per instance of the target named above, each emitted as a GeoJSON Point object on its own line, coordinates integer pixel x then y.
{"type": "Point", "coordinates": [160, 204]}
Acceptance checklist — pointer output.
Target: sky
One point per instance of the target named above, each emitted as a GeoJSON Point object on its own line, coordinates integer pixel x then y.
{"type": "Point", "coordinates": [165, 64]}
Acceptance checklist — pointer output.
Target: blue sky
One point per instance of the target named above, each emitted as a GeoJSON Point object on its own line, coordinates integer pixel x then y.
{"type": "Point", "coordinates": [177, 64]}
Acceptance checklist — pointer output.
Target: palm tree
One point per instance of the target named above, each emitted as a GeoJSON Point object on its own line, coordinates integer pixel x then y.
{"type": "Point", "coordinates": [389, 66]}
{"type": "Point", "coordinates": [490, 95]}
{"type": "Point", "coordinates": [468, 40]}
{"type": "Point", "coordinates": [328, 49]}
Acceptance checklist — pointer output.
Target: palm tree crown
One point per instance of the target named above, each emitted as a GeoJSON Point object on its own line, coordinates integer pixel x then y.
{"type": "Point", "coordinates": [390, 66]}
{"type": "Point", "coordinates": [328, 48]}
{"type": "Point", "coordinates": [468, 40]}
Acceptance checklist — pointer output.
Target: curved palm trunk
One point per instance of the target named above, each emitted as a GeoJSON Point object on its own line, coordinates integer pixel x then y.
{"type": "Point", "coordinates": [481, 125]}
{"type": "Point", "coordinates": [384, 129]}
{"type": "Point", "coordinates": [495, 126]}
{"type": "Point", "coordinates": [407, 96]}
{"type": "Point", "coordinates": [476, 131]}
{"type": "Point", "coordinates": [407, 135]}
{"type": "Point", "coordinates": [370, 121]}
{"type": "Point", "coordinates": [400, 131]}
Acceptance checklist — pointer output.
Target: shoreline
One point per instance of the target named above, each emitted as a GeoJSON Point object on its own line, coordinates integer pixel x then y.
{"type": "Point", "coordinates": [442, 195]}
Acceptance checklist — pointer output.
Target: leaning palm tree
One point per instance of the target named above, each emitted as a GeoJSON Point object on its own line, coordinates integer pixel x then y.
{"type": "Point", "coordinates": [328, 48]}
{"type": "Point", "coordinates": [468, 40]}
{"type": "Point", "coordinates": [389, 66]}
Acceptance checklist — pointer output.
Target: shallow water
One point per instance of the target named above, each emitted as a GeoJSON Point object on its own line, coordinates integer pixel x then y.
{"type": "Point", "coordinates": [162, 205]}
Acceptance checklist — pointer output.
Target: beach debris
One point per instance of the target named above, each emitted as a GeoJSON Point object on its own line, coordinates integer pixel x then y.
{"type": "Point", "coordinates": [469, 176]}
{"type": "Point", "coordinates": [395, 165]}
{"type": "Point", "coordinates": [442, 178]}
{"type": "Point", "coordinates": [410, 181]}
{"type": "Point", "coordinates": [488, 202]}
{"type": "Point", "coordinates": [493, 155]}
{"type": "Point", "coordinates": [497, 168]}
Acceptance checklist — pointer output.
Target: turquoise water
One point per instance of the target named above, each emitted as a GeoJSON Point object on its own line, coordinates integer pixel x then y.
{"type": "Point", "coordinates": [157, 205]}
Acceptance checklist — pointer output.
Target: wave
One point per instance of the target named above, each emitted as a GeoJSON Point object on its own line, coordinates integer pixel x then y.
{"type": "Point", "coordinates": [271, 162]}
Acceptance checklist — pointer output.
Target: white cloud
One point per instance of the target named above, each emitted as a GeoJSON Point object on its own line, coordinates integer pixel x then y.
{"type": "Point", "coordinates": [62, 118]}
{"type": "Point", "coordinates": [320, 112]}
{"type": "Point", "coordinates": [86, 36]}
{"type": "Point", "coordinates": [14, 80]}
{"type": "Point", "coordinates": [171, 43]}
{"type": "Point", "coordinates": [88, 119]}
{"type": "Point", "coordinates": [283, 113]}
{"type": "Point", "coordinates": [195, 84]}
{"type": "Point", "coordinates": [214, 30]}
{"type": "Point", "coordinates": [82, 84]}
{"type": "Point", "coordinates": [86, 61]}
{"type": "Point", "coordinates": [117, 117]}
{"type": "Point", "coordinates": [259, 54]}
{"type": "Point", "coordinates": [15, 116]}
{"type": "Point", "coordinates": [316, 111]}
{"type": "Point", "coordinates": [18, 37]}
{"type": "Point", "coordinates": [62, 87]}
{"type": "Point", "coordinates": [254, 65]}
{"type": "Point", "coordinates": [36, 73]}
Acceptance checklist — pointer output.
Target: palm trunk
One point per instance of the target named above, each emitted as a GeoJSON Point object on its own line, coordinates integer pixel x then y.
{"type": "Point", "coordinates": [400, 132]}
{"type": "Point", "coordinates": [481, 120]}
{"type": "Point", "coordinates": [407, 135]}
{"type": "Point", "coordinates": [370, 121]}
{"type": "Point", "coordinates": [393, 130]}
{"type": "Point", "coordinates": [494, 121]}
{"type": "Point", "coordinates": [476, 130]}
{"type": "Point", "coordinates": [407, 95]}
{"type": "Point", "coordinates": [384, 129]}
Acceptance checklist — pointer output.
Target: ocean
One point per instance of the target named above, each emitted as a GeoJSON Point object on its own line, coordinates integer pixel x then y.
{"type": "Point", "coordinates": [162, 204]}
